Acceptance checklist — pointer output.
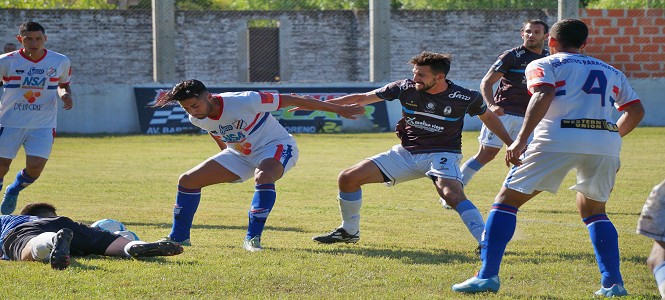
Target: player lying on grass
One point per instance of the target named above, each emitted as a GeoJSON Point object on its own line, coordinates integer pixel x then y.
{"type": "Point", "coordinates": [38, 234]}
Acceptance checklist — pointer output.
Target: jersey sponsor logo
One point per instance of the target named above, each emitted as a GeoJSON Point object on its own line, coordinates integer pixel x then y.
{"type": "Point", "coordinates": [34, 70]}
{"type": "Point", "coordinates": [535, 73]}
{"type": "Point", "coordinates": [27, 106]}
{"type": "Point", "coordinates": [458, 95]}
{"type": "Point", "coordinates": [233, 137]}
{"type": "Point", "coordinates": [430, 106]}
{"type": "Point", "coordinates": [34, 83]}
{"type": "Point", "coordinates": [594, 124]}
{"type": "Point", "coordinates": [20, 72]}
{"type": "Point", "coordinates": [411, 121]}
{"type": "Point", "coordinates": [267, 98]}
{"type": "Point", "coordinates": [223, 129]}
{"type": "Point", "coordinates": [519, 53]}
{"type": "Point", "coordinates": [447, 111]}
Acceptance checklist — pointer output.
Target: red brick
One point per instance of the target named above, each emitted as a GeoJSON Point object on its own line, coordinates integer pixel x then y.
{"type": "Point", "coordinates": [621, 40]}
{"type": "Point", "coordinates": [601, 22]}
{"type": "Point", "coordinates": [604, 57]}
{"type": "Point", "coordinates": [637, 75]}
{"type": "Point", "coordinates": [658, 13]}
{"type": "Point", "coordinates": [658, 39]}
{"type": "Point", "coordinates": [657, 57]}
{"type": "Point", "coordinates": [625, 22]}
{"type": "Point", "coordinates": [641, 40]}
{"type": "Point", "coordinates": [593, 49]}
{"type": "Point", "coordinates": [609, 49]}
{"type": "Point", "coordinates": [644, 21]}
{"type": "Point", "coordinates": [621, 57]}
{"type": "Point", "coordinates": [594, 12]}
{"type": "Point", "coordinates": [632, 67]}
{"type": "Point", "coordinates": [616, 13]}
{"type": "Point", "coordinates": [651, 30]}
{"type": "Point", "coordinates": [659, 21]}
{"type": "Point", "coordinates": [658, 74]}
{"type": "Point", "coordinates": [653, 67]}
{"type": "Point", "coordinates": [599, 40]}
{"type": "Point", "coordinates": [630, 49]}
{"type": "Point", "coordinates": [631, 31]}
{"type": "Point", "coordinates": [650, 48]}
{"type": "Point", "coordinates": [609, 31]}
{"type": "Point", "coordinates": [636, 13]}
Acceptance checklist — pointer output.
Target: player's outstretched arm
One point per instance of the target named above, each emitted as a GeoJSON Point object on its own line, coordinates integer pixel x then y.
{"type": "Point", "coordinates": [347, 111]}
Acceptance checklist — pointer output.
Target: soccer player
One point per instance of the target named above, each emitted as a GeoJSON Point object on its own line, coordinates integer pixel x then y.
{"type": "Point", "coordinates": [38, 234]}
{"type": "Point", "coordinates": [33, 78]}
{"type": "Point", "coordinates": [570, 117]}
{"type": "Point", "coordinates": [9, 47]}
{"type": "Point", "coordinates": [651, 224]}
{"type": "Point", "coordinates": [430, 131]}
{"type": "Point", "coordinates": [252, 143]}
{"type": "Point", "coordinates": [511, 97]}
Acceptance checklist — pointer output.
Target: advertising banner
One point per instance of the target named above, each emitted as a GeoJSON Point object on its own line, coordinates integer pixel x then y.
{"type": "Point", "coordinates": [173, 119]}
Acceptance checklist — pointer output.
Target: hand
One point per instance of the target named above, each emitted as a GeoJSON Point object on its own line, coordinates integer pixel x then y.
{"type": "Point", "coordinates": [68, 101]}
{"type": "Point", "coordinates": [497, 110]}
{"type": "Point", "coordinates": [349, 111]}
{"type": "Point", "coordinates": [513, 153]}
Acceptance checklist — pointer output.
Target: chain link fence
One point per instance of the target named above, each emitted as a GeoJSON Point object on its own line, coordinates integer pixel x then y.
{"type": "Point", "coordinates": [311, 41]}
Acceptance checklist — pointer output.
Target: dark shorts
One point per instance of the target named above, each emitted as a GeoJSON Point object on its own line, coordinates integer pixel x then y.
{"type": "Point", "coordinates": [86, 240]}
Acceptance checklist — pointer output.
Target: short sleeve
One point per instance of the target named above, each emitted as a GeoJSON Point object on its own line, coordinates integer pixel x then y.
{"type": "Point", "coordinates": [539, 72]}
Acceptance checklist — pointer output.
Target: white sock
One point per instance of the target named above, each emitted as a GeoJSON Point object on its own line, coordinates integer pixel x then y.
{"type": "Point", "coordinates": [474, 222]}
{"type": "Point", "coordinates": [350, 211]}
{"type": "Point", "coordinates": [130, 244]}
{"type": "Point", "coordinates": [659, 274]}
{"type": "Point", "coordinates": [42, 245]}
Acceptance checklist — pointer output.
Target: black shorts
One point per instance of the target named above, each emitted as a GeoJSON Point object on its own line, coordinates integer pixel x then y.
{"type": "Point", "coordinates": [86, 241]}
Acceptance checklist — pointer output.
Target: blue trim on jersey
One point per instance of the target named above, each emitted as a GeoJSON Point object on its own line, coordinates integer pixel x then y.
{"type": "Point", "coordinates": [1, 130]}
{"type": "Point", "coordinates": [287, 155]}
{"type": "Point", "coordinates": [516, 70]}
{"type": "Point", "coordinates": [428, 115]}
{"type": "Point", "coordinates": [560, 93]}
{"type": "Point", "coordinates": [52, 87]}
{"type": "Point", "coordinates": [12, 86]}
{"type": "Point", "coordinates": [265, 116]}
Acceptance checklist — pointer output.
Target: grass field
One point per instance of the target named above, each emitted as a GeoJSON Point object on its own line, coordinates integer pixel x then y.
{"type": "Point", "coordinates": [411, 248]}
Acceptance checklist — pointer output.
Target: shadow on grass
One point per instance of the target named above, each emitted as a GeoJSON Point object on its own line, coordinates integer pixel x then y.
{"type": "Point", "coordinates": [415, 257]}
{"type": "Point", "coordinates": [221, 227]}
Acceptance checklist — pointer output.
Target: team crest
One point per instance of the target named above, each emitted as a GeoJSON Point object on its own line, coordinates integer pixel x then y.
{"type": "Point", "coordinates": [447, 111]}
{"type": "Point", "coordinates": [51, 72]}
{"type": "Point", "coordinates": [239, 124]}
{"type": "Point", "coordinates": [430, 106]}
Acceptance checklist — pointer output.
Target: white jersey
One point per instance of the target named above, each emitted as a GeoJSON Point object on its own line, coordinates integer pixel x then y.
{"type": "Point", "coordinates": [579, 119]}
{"type": "Point", "coordinates": [245, 123]}
{"type": "Point", "coordinates": [30, 95]}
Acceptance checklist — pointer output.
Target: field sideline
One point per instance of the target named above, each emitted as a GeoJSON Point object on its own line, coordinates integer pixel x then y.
{"type": "Point", "coordinates": [411, 248]}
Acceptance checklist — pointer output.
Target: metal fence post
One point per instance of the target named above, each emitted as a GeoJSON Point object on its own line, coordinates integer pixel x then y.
{"type": "Point", "coordinates": [569, 9]}
{"type": "Point", "coordinates": [163, 34]}
{"type": "Point", "coordinates": [379, 47]}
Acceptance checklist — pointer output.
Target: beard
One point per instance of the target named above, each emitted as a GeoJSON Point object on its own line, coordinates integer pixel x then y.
{"type": "Point", "coordinates": [424, 87]}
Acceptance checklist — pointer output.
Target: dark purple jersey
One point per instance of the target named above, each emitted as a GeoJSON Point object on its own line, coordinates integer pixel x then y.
{"type": "Point", "coordinates": [512, 94]}
{"type": "Point", "coordinates": [432, 122]}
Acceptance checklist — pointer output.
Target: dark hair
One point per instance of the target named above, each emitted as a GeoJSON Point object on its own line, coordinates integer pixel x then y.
{"type": "Point", "coordinates": [183, 90]}
{"type": "Point", "coordinates": [30, 26]}
{"type": "Point", "coordinates": [40, 209]}
{"type": "Point", "coordinates": [439, 62]}
{"type": "Point", "coordinates": [570, 33]}
{"type": "Point", "coordinates": [536, 22]}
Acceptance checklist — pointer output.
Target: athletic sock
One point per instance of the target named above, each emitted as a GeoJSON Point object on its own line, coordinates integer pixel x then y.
{"type": "Point", "coordinates": [186, 203]}
{"type": "Point", "coordinates": [469, 168]}
{"type": "Point", "coordinates": [472, 218]}
{"type": "Point", "coordinates": [605, 241]}
{"type": "Point", "coordinates": [262, 204]}
{"type": "Point", "coordinates": [129, 245]}
{"type": "Point", "coordinates": [42, 245]}
{"type": "Point", "coordinates": [499, 229]}
{"type": "Point", "coordinates": [1, 182]}
{"type": "Point", "coordinates": [659, 274]}
{"type": "Point", "coordinates": [349, 207]}
{"type": "Point", "coordinates": [22, 181]}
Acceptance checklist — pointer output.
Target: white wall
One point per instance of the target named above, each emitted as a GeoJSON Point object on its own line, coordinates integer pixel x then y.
{"type": "Point", "coordinates": [111, 108]}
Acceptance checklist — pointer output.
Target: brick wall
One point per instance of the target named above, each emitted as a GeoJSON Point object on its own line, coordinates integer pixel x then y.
{"type": "Point", "coordinates": [631, 40]}
{"type": "Point", "coordinates": [115, 46]}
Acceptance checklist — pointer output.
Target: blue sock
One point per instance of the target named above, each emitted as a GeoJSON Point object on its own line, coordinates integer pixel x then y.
{"type": "Point", "coordinates": [469, 168]}
{"type": "Point", "coordinates": [22, 181]}
{"type": "Point", "coordinates": [262, 203]}
{"type": "Point", "coordinates": [605, 241]}
{"type": "Point", "coordinates": [499, 229]}
{"type": "Point", "coordinates": [186, 203]}
{"type": "Point", "coordinates": [659, 274]}
{"type": "Point", "coordinates": [472, 218]}
{"type": "Point", "coordinates": [1, 181]}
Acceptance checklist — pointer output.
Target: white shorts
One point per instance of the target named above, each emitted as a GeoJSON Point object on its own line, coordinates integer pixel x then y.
{"type": "Point", "coordinates": [512, 124]}
{"type": "Point", "coordinates": [242, 165]}
{"type": "Point", "coordinates": [399, 165]}
{"type": "Point", "coordinates": [652, 219]}
{"type": "Point", "coordinates": [35, 142]}
{"type": "Point", "coordinates": [544, 171]}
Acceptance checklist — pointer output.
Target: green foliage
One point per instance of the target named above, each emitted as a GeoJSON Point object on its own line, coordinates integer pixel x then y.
{"type": "Point", "coordinates": [411, 248]}
{"type": "Point", "coordinates": [56, 4]}
{"type": "Point", "coordinates": [623, 4]}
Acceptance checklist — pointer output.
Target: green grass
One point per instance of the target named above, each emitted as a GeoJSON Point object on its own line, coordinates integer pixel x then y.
{"type": "Point", "coordinates": [411, 248]}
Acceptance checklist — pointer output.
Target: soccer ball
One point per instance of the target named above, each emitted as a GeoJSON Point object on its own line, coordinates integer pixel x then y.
{"type": "Point", "coordinates": [109, 225]}
{"type": "Point", "coordinates": [130, 235]}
